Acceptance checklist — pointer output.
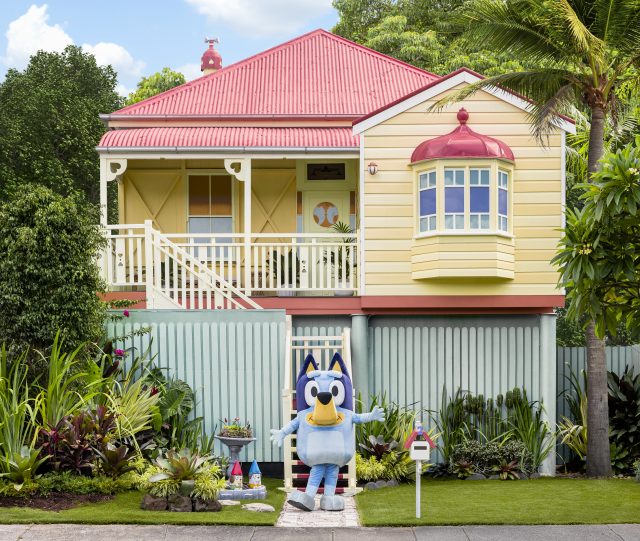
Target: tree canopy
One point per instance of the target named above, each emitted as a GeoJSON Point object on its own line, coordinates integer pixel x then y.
{"type": "Point", "coordinates": [160, 81]}
{"type": "Point", "coordinates": [50, 125]}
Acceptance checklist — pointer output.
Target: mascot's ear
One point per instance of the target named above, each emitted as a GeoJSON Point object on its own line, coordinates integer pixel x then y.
{"type": "Point", "coordinates": [308, 365]}
{"type": "Point", "coordinates": [337, 365]}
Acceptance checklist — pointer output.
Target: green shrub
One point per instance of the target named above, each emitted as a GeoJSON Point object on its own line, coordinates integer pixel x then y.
{"type": "Point", "coordinates": [369, 469]}
{"type": "Point", "coordinates": [484, 457]}
{"type": "Point", "coordinates": [49, 279]}
{"type": "Point", "coordinates": [624, 418]}
{"type": "Point", "coordinates": [67, 482]}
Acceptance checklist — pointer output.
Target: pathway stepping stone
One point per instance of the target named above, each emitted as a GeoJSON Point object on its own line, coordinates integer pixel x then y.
{"type": "Point", "coordinates": [290, 517]}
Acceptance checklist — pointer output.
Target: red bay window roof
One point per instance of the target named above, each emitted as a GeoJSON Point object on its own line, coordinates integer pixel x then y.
{"type": "Point", "coordinates": [462, 142]}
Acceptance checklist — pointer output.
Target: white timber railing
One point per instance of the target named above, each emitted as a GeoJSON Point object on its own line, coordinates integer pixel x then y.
{"type": "Point", "coordinates": [190, 269]}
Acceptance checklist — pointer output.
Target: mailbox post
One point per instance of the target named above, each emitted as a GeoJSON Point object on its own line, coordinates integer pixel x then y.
{"type": "Point", "coordinates": [419, 445]}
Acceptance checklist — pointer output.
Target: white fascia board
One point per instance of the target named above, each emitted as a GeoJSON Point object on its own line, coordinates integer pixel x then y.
{"type": "Point", "coordinates": [448, 84]}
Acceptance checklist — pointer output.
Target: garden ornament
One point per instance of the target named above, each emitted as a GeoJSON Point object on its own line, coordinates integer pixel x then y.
{"type": "Point", "coordinates": [325, 430]}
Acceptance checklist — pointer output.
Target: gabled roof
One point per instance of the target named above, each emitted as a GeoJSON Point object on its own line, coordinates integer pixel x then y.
{"type": "Point", "coordinates": [437, 87]}
{"type": "Point", "coordinates": [318, 74]}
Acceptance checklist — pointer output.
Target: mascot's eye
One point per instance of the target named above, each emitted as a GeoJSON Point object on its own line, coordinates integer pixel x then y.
{"type": "Point", "coordinates": [310, 393]}
{"type": "Point", "coordinates": [337, 390]}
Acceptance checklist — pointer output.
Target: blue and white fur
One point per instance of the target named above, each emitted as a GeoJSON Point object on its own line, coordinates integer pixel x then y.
{"type": "Point", "coordinates": [325, 427]}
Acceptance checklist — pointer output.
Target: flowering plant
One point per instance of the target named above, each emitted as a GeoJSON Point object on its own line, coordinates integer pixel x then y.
{"type": "Point", "coordinates": [235, 429]}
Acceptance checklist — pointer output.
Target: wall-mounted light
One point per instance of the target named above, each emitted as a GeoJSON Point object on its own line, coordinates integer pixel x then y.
{"type": "Point", "coordinates": [373, 168]}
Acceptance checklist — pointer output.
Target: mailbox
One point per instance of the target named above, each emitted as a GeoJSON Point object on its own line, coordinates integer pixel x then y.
{"type": "Point", "coordinates": [420, 450]}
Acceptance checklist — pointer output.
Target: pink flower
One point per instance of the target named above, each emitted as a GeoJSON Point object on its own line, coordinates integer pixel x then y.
{"type": "Point", "coordinates": [125, 313]}
{"type": "Point", "coordinates": [154, 391]}
{"type": "Point", "coordinates": [119, 352]}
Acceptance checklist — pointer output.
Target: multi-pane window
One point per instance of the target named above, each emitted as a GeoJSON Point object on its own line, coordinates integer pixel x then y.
{"type": "Point", "coordinates": [479, 209]}
{"type": "Point", "coordinates": [210, 204]}
{"type": "Point", "coordinates": [427, 201]}
{"type": "Point", "coordinates": [454, 198]}
{"type": "Point", "coordinates": [503, 200]}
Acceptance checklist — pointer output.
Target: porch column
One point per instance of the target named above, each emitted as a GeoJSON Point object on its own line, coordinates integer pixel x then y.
{"type": "Point", "coordinates": [360, 354]}
{"type": "Point", "coordinates": [548, 391]}
{"type": "Point", "coordinates": [241, 169]}
{"type": "Point", "coordinates": [110, 169]}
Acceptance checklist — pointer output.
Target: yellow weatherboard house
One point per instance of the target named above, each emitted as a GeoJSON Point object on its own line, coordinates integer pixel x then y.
{"type": "Point", "coordinates": [316, 182]}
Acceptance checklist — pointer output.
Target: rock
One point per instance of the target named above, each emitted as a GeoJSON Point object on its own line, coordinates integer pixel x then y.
{"type": "Point", "coordinates": [258, 507]}
{"type": "Point", "coordinates": [371, 485]}
{"type": "Point", "coordinates": [523, 476]}
{"type": "Point", "coordinates": [392, 483]}
{"type": "Point", "coordinates": [200, 505]}
{"type": "Point", "coordinates": [153, 503]}
{"type": "Point", "coordinates": [535, 475]}
{"type": "Point", "coordinates": [381, 484]}
{"type": "Point", "coordinates": [476, 477]}
{"type": "Point", "coordinates": [180, 504]}
{"type": "Point", "coordinates": [494, 477]}
{"type": "Point", "coordinates": [229, 502]}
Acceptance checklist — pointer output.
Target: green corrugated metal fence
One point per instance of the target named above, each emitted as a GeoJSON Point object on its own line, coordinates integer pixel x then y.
{"type": "Point", "coordinates": [233, 359]}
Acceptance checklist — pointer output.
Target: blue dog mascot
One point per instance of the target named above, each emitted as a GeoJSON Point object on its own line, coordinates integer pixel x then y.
{"type": "Point", "coordinates": [325, 427]}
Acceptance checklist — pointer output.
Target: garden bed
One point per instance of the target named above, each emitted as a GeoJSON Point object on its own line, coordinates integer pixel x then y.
{"type": "Point", "coordinates": [58, 501]}
{"type": "Point", "coordinates": [539, 501]}
{"type": "Point", "coordinates": [124, 508]}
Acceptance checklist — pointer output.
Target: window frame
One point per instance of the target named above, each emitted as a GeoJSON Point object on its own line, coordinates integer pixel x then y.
{"type": "Point", "coordinates": [467, 164]}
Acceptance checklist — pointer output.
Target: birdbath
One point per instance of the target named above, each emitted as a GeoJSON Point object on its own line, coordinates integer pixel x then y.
{"type": "Point", "coordinates": [235, 445]}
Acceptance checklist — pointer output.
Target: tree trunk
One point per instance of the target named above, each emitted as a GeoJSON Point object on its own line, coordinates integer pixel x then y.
{"type": "Point", "coordinates": [598, 452]}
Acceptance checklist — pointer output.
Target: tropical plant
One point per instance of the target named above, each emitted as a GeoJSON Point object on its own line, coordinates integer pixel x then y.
{"type": "Point", "coordinates": [462, 469]}
{"type": "Point", "coordinates": [21, 467]}
{"type": "Point", "coordinates": [624, 416]}
{"type": "Point", "coordinates": [377, 447]}
{"type": "Point", "coordinates": [588, 51]}
{"type": "Point", "coordinates": [116, 460]}
{"type": "Point", "coordinates": [508, 470]}
{"type": "Point", "coordinates": [340, 258]}
{"type": "Point", "coordinates": [369, 469]}
{"type": "Point", "coordinates": [485, 456]}
{"type": "Point", "coordinates": [285, 268]}
{"type": "Point", "coordinates": [182, 465]}
{"type": "Point", "coordinates": [235, 429]}
{"type": "Point", "coordinates": [449, 421]}
{"type": "Point", "coordinates": [531, 429]}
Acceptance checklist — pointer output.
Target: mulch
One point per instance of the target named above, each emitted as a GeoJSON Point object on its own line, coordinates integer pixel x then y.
{"type": "Point", "coordinates": [57, 501]}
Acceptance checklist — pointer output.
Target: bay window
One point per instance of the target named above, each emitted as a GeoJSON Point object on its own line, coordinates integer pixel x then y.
{"type": "Point", "coordinates": [470, 198]}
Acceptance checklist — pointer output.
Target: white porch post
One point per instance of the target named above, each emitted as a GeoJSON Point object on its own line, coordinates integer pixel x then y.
{"type": "Point", "coordinates": [148, 264]}
{"type": "Point", "coordinates": [110, 169]}
{"type": "Point", "coordinates": [243, 174]}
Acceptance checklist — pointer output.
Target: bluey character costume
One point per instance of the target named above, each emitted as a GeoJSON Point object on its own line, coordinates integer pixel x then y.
{"type": "Point", "coordinates": [325, 429]}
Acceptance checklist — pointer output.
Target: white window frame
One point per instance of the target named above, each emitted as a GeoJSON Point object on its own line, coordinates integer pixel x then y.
{"type": "Point", "coordinates": [503, 220]}
{"type": "Point", "coordinates": [495, 167]}
{"type": "Point", "coordinates": [431, 219]}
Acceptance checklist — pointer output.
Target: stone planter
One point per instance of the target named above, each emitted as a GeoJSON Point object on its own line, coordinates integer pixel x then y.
{"type": "Point", "coordinates": [153, 503]}
{"type": "Point", "coordinates": [179, 503]}
{"type": "Point", "coordinates": [235, 445]}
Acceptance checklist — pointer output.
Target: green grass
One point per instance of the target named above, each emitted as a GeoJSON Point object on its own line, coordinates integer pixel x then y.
{"type": "Point", "coordinates": [125, 509]}
{"type": "Point", "coordinates": [540, 501]}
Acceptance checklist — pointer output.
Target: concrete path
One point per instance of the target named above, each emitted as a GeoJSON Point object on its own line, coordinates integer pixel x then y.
{"type": "Point", "coordinates": [290, 517]}
{"type": "Point", "coordinates": [75, 532]}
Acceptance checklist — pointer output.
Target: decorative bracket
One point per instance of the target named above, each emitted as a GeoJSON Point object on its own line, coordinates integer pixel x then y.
{"type": "Point", "coordinates": [116, 168]}
{"type": "Point", "coordinates": [243, 167]}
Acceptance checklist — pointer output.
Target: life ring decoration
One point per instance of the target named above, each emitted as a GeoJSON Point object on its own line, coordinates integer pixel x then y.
{"type": "Point", "coordinates": [325, 214]}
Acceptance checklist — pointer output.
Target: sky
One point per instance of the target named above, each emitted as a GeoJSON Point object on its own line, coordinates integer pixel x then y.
{"type": "Point", "coordinates": [140, 37]}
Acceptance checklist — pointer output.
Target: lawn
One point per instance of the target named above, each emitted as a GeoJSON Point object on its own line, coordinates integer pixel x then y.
{"type": "Point", "coordinates": [125, 509]}
{"type": "Point", "coordinates": [540, 501]}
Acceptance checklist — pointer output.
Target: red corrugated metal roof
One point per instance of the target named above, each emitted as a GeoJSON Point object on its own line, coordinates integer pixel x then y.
{"type": "Point", "coordinates": [230, 137]}
{"type": "Point", "coordinates": [318, 73]}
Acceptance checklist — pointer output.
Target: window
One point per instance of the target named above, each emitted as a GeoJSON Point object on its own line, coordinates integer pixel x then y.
{"type": "Point", "coordinates": [428, 201]}
{"type": "Point", "coordinates": [454, 198]}
{"type": "Point", "coordinates": [326, 171]}
{"type": "Point", "coordinates": [210, 205]}
{"type": "Point", "coordinates": [503, 200]}
{"type": "Point", "coordinates": [479, 212]}
{"type": "Point", "coordinates": [463, 199]}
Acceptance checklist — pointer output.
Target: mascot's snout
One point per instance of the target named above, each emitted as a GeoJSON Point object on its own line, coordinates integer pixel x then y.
{"type": "Point", "coordinates": [325, 412]}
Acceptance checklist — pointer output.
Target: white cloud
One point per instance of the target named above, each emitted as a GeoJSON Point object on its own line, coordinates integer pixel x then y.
{"type": "Point", "coordinates": [262, 17]}
{"type": "Point", "coordinates": [190, 71]}
{"type": "Point", "coordinates": [30, 33]}
{"type": "Point", "coordinates": [117, 56]}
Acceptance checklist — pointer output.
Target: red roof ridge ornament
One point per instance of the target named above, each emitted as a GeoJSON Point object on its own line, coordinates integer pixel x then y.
{"type": "Point", "coordinates": [211, 61]}
{"type": "Point", "coordinates": [462, 142]}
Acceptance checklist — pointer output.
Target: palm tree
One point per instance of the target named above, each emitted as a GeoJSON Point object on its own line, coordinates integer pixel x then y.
{"type": "Point", "coordinates": [587, 50]}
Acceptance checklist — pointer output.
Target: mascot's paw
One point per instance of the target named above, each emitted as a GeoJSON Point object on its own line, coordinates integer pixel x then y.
{"type": "Point", "coordinates": [302, 500]}
{"type": "Point", "coordinates": [332, 503]}
{"type": "Point", "coordinates": [377, 414]}
{"type": "Point", "coordinates": [277, 436]}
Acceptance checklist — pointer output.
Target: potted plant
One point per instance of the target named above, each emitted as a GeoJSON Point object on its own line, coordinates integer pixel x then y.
{"type": "Point", "coordinates": [337, 260]}
{"type": "Point", "coordinates": [235, 435]}
{"type": "Point", "coordinates": [287, 263]}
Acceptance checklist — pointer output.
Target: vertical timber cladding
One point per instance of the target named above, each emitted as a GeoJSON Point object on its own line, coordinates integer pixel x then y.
{"type": "Point", "coordinates": [413, 359]}
{"type": "Point", "coordinates": [233, 359]}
